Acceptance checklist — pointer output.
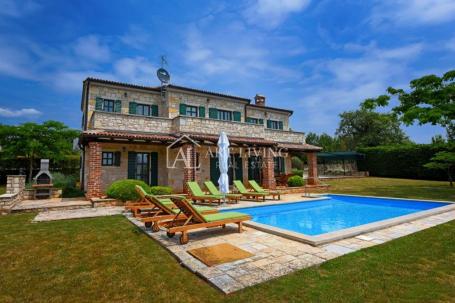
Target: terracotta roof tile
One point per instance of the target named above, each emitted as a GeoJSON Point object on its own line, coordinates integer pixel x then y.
{"type": "Point", "coordinates": [299, 147]}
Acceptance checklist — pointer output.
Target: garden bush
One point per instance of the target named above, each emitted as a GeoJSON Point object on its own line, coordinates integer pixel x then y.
{"type": "Point", "coordinates": [402, 161]}
{"type": "Point", "coordinates": [296, 181]}
{"type": "Point", "coordinates": [68, 185]}
{"type": "Point", "coordinates": [161, 190]}
{"type": "Point", "coordinates": [124, 190]}
{"type": "Point", "coordinates": [298, 172]}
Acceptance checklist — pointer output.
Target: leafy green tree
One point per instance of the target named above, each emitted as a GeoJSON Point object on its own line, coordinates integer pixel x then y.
{"type": "Point", "coordinates": [431, 99]}
{"type": "Point", "coordinates": [327, 142]}
{"type": "Point", "coordinates": [31, 141]}
{"type": "Point", "coordinates": [444, 160]}
{"type": "Point", "coordinates": [366, 128]}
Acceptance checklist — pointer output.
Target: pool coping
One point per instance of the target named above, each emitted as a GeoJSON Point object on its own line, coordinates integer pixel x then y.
{"type": "Point", "coordinates": [352, 231]}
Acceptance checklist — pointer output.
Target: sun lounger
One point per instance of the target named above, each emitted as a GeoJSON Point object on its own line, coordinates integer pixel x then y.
{"type": "Point", "coordinates": [164, 211]}
{"type": "Point", "coordinates": [248, 194]}
{"type": "Point", "coordinates": [214, 191]}
{"type": "Point", "coordinates": [257, 188]}
{"type": "Point", "coordinates": [196, 194]}
{"type": "Point", "coordinates": [197, 220]}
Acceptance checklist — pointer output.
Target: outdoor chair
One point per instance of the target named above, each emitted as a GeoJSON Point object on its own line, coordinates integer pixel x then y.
{"type": "Point", "coordinates": [257, 188]}
{"type": "Point", "coordinates": [248, 194]}
{"type": "Point", "coordinates": [214, 191]}
{"type": "Point", "coordinates": [164, 211]}
{"type": "Point", "coordinates": [196, 194]}
{"type": "Point", "coordinates": [198, 220]}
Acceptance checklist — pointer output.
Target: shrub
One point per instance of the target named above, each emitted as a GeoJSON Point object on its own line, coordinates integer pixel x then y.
{"type": "Point", "coordinates": [161, 190]}
{"type": "Point", "coordinates": [297, 163]}
{"type": "Point", "coordinates": [298, 172]}
{"type": "Point", "coordinates": [68, 185]}
{"type": "Point", "coordinates": [403, 161]}
{"type": "Point", "coordinates": [124, 190]}
{"type": "Point", "coordinates": [296, 181]}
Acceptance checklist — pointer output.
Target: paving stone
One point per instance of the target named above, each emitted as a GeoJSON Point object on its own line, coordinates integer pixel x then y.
{"type": "Point", "coordinates": [338, 249]}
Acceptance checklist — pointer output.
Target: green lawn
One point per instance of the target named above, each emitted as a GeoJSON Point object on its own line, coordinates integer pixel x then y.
{"type": "Point", "coordinates": [2, 189]}
{"type": "Point", "coordinates": [400, 188]}
{"type": "Point", "coordinates": [109, 260]}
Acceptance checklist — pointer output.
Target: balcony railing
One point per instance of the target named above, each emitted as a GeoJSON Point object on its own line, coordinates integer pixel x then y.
{"type": "Point", "coordinates": [123, 122]}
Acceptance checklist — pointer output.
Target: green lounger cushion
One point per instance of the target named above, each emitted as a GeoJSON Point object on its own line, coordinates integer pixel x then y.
{"type": "Point", "coordinates": [214, 191]}
{"type": "Point", "coordinates": [197, 191]}
{"type": "Point", "coordinates": [259, 189]}
{"type": "Point", "coordinates": [223, 216]}
{"type": "Point", "coordinates": [199, 209]}
{"type": "Point", "coordinates": [242, 189]}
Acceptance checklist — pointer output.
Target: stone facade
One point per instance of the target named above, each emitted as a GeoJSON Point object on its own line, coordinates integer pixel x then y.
{"type": "Point", "coordinates": [15, 184]}
{"type": "Point", "coordinates": [169, 122]}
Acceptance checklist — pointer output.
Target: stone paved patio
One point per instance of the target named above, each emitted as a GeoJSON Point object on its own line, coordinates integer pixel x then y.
{"type": "Point", "coordinates": [274, 256]}
{"type": "Point", "coordinates": [78, 213]}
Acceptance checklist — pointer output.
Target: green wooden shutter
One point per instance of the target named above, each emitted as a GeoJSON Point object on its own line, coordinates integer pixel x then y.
{"type": "Point", "coordinates": [202, 111]}
{"type": "Point", "coordinates": [182, 109]}
{"type": "Point", "coordinates": [154, 169]}
{"type": "Point", "coordinates": [283, 167]}
{"type": "Point", "coordinates": [269, 124]}
{"type": "Point", "coordinates": [261, 121]}
{"type": "Point", "coordinates": [237, 116]}
{"type": "Point", "coordinates": [213, 113]}
{"type": "Point", "coordinates": [131, 165]}
{"type": "Point", "coordinates": [280, 124]}
{"type": "Point", "coordinates": [132, 108]}
{"type": "Point", "coordinates": [98, 103]}
{"type": "Point", "coordinates": [154, 110]}
{"type": "Point", "coordinates": [118, 106]}
{"type": "Point", "coordinates": [117, 157]}
{"type": "Point", "coordinates": [248, 120]}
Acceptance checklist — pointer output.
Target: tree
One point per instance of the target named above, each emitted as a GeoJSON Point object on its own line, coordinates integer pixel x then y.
{"type": "Point", "coordinates": [431, 99]}
{"type": "Point", "coordinates": [444, 160]}
{"type": "Point", "coordinates": [366, 128]}
{"type": "Point", "coordinates": [31, 141]}
{"type": "Point", "coordinates": [327, 142]}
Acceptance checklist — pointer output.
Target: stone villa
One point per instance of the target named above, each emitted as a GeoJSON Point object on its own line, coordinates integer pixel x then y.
{"type": "Point", "coordinates": [132, 131]}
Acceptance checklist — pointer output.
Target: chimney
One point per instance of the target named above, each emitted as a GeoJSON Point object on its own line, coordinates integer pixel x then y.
{"type": "Point", "coordinates": [259, 100]}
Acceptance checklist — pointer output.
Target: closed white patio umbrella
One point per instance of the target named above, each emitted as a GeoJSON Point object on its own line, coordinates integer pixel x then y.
{"type": "Point", "coordinates": [223, 158]}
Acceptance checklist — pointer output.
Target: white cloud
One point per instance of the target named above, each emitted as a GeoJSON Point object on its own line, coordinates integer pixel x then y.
{"type": "Point", "coordinates": [348, 81]}
{"type": "Point", "coordinates": [17, 9]}
{"type": "Point", "coordinates": [23, 112]}
{"type": "Point", "coordinates": [413, 12]}
{"type": "Point", "coordinates": [271, 13]}
{"type": "Point", "coordinates": [136, 70]}
{"type": "Point", "coordinates": [136, 37]}
{"type": "Point", "coordinates": [91, 48]}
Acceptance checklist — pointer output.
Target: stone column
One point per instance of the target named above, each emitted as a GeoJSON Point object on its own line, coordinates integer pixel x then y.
{"type": "Point", "coordinates": [312, 168]}
{"type": "Point", "coordinates": [189, 171]}
{"type": "Point", "coordinates": [94, 170]}
{"type": "Point", "coordinates": [15, 184]}
{"type": "Point", "coordinates": [268, 170]}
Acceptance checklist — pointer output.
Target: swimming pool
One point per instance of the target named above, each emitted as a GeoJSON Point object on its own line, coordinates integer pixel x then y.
{"type": "Point", "coordinates": [335, 213]}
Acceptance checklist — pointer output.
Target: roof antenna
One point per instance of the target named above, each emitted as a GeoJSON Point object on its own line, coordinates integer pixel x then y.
{"type": "Point", "coordinates": [164, 76]}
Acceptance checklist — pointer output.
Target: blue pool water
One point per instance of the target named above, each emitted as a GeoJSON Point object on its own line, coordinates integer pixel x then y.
{"type": "Point", "coordinates": [335, 213]}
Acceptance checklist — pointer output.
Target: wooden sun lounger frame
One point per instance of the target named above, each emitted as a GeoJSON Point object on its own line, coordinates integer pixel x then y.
{"type": "Point", "coordinates": [273, 193]}
{"type": "Point", "coordinates": [251, 194]}
{"type": "Point", "coordinates": [195, 221]}
{"type": "Point", "coordinates": [202, 199]}
{"type": "Point", "coordinates": [161, 215]}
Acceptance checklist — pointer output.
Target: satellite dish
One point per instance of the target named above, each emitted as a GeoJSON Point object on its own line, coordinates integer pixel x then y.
{"type": "Point", "coordinates": [163, 75]}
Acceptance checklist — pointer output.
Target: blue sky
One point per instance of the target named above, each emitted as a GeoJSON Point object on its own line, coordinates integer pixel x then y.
{"type": "Point", "coordinates": [318, 58]}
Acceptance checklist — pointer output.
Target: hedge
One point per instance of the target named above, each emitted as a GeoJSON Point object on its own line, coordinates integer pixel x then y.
{"type": "Point", "coordinates": [402, 161]}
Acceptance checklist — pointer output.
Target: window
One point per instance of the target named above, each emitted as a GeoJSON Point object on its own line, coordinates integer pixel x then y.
{"type": "Point", "coordinates": [252, 120]}
{"type": "Point", "coordinates": [224, 115]}
{"type": "Point", "coordinates": [191, 111]}
{"type": "Point", "coordinates": [108, 105]}
{"type": "Point", "coordinates": [110, 159]}
{"type": "Point", "coordinates": [274, 124]}
{"type": "Point", "coordinates": [142, 109]}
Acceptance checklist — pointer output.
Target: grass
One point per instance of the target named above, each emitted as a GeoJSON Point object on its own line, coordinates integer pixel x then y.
{"type": "Point", "coordinates": [2, 189]}
{"type": "Point", "coordinates": [109, 260]}
{"type": "Point", "coordinates": [400, 188]}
